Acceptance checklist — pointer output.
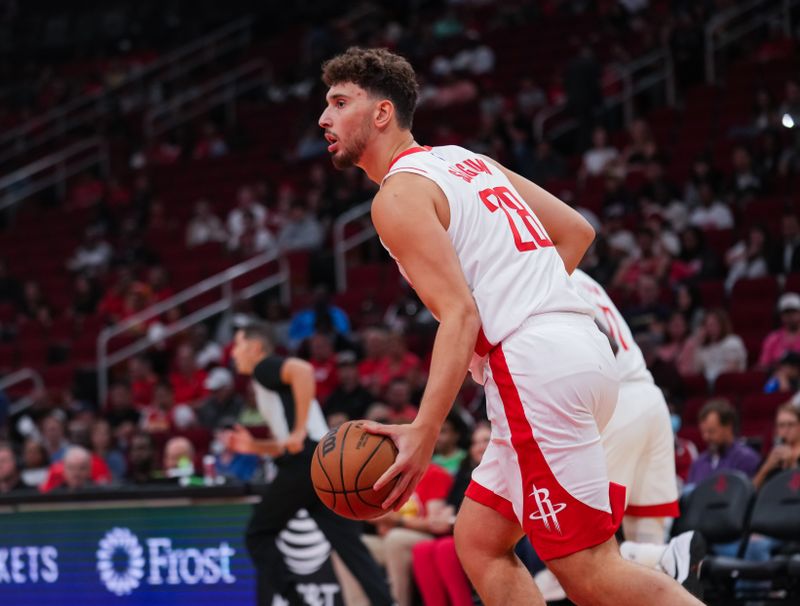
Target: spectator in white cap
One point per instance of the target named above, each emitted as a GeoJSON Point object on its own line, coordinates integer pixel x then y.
{"type": "Point", "coordinates": [787, 337]}
{"type": "Point", "coordinates": [223, 402]}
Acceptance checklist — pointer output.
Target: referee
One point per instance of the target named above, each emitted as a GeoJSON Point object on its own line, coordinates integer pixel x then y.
{"type": "Point", "coordinates": [284, 389]}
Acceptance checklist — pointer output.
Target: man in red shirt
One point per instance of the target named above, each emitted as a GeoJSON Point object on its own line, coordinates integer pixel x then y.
{"type": "Point", "coordinates": [187, 380]}
{"type": "Point", "coordinates": [323, 359]}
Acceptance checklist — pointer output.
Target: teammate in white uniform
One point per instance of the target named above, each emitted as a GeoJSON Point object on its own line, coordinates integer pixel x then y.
{"type": "Point", "coordinates": [638, 441]}
{"type": "Point", "coordinates": [640, 454]}
{"type": "Point", "coordinates": [484, 247]}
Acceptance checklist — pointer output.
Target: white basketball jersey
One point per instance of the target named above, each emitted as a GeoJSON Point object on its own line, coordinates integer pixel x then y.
{"type": "Point", "coordinates": [630, 360]}
{"type": "Point", "coordinates": [508, 260]}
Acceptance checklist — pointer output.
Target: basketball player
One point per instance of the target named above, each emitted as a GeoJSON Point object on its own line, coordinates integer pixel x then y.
{"type": "Point", "coordinates": [284, 389]}
{"type": "Point", "coordinates": [490, 254]}
{"type": "Point", "coordinates": [640, 454]}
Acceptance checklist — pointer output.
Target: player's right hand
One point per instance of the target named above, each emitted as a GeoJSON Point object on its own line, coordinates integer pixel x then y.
{"type": "Point", "coordinates": [415, 444]}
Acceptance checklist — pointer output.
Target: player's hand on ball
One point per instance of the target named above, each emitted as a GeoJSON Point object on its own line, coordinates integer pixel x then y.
{"type": "Point", "coordinates": [296, 441]}
{"type": "Point", "coordinates": [239, 440]}
{"type": "Point", "coordinates": [415, 445]}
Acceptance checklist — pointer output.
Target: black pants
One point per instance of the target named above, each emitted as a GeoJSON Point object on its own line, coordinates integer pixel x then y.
{"type": "Point", "coordinates": [289, 491]}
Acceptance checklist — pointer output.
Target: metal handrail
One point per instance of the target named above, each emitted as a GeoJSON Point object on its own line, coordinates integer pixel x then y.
{"type": "Point", "coordinates": [223, 280]}
{"type": "Point", "coordinates": [721, 32]}
{"type": "Point", "coordinates": [341, 244]}
{"type": "Point", "coordinates": [51, 170]}
{"type": "Point", "coordinates": [633, 83]}
{"type": "Point", "coordinates": [20, 376]}
{"type": "Point", "coordinates": [198, 100]}
{"type": "Point", "coordinates": [88, 108]}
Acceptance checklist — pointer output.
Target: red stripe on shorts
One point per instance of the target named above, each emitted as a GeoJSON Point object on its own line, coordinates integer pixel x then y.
{"type": "Point", "coordinates": [556, 523]}
{"type": "Point", "coordinates": [490, 499]}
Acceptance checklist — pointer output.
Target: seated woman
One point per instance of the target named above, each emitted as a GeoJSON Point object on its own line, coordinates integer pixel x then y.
{"type": "Point", "coordinates": [786, 453]}
{"type": "Point", "coordinates": [437, 570]}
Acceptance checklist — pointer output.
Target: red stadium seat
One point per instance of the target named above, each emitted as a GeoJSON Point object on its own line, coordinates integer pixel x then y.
{"type": "Point", "coordinates": [740, 383]}
{"type": "Point", "coordinates": [762, 406]}
{"type": "Point", "coordinates": [759, 289]}
{"type": "Point", "coordinates": [695, 385]}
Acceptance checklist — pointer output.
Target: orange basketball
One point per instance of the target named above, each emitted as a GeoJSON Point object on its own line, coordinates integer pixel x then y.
{"type": "Point", "coordinates": [346, 464]}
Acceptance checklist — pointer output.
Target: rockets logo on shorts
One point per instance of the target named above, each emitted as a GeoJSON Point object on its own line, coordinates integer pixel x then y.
{"type": "Point", "coordinates": [547, 511]}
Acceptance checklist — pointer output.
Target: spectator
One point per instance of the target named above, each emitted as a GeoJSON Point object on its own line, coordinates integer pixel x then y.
{"type": "Point", "coordinates": [35, 462]}
{"type": "Point", "coordinates": [159, 283]}
{"type": "Point", "coordinates": [599, 156]}
{"type": "Point", "coordinates": [790, 106]}
{"type": "Point", "coordinates": [223, 401]}
{"type": "Point", "coordinates": [208, 352]}
{"type": "Point", "coordinates": [187, 379]}
{"type": "Point", "coordinates": [438, 573]}
{"type": "Point", "coordinates": [77, 469]}
{"type": "Point", "coordinates": [349, 398]}
{"type": "Point", "coordinates": [143, 380]}
{"type": "Point", "coordinates": [121, 412]}
{"type": "Point", "coordinates": [546, 164]}
{"type": "Point", "coordinates": [86, 296]}
{"type": "Point", "coordinates": [103, 447]}
{"type": "Point", "coordinates": [157, 417]}
{"type": "Point", "coordinates": [447, 453]}
{"type": "Point", "coordinates": [210, 144]}
{"type": "Point", "coordinates": [685, 450]}
{"type": "Point", "coordinates": [786, 452]}
{"type": "Point", "coordinates": [678, 349]}
{"type": "Point", "coordinates": [245, 203]}
{"type": "Point", "coordinates": [652, 261]}
{"type": "Point", "coordinates": [719, 350]}
{"type": "Point", "coordinates": [657, 192]}
{"type": "Point", "coordinates": [52, 430]}
{"type": "Point", "coordinates": [301, 231]}
{"type": "Point", "coordinates": [711, 213]}
{"type": "Point", "coordinates": [398, 398]}
{"type": "Point", "coordinates": [717, 420]}
{"type": "Point", "coordinates": [786, 377]}
{"type": "Point", "coordinates": [641, 147]}
{"type": "Point", "coordinates": [93, 256]}
{"type": "Point", "coordinates": [10, 479]}
{"type": "Point", "coordinates": [649, 308]}
{"type": "Point", "coordinates": [204, 227]}
{"type": "Point", "coordinates": [787, 337]}
{"type": "Point", "coordinates": [253, 239]}
{"type": "Point", "coordinates": [32, 299]}
{"type": "Point", "coordinates": [305, 322]}
{"type": "Point", "coordinates": [687, 301]}
{"type": "Point", "coordinates": [234, 465]}
{"type": "Point", "coordinates": [786, 257]}
{"type": "Point", "coordinates": [702, 173]}
{"type": "Point", "coordinates": [747, 259]}
{"type": "Point", "coordinates": [398, 532]}
{"type": "Point", "coordinates": [398, 362]}
{"type": "Point", "coordinates": [744, 181]}
{"type": "Point", "coordinates": [86, 192]}
{"type": "Point", "coordinates": [530, 97]}
{"type": "Point", "coordinates": [582, 86]}
{"type": "Point", "coordinates": [178, 457]}
{"type": "Point", "coordinates": [323, 359]}
{"type": "Point", "coordinates": [697, 256]}
{"type": "Point", "coordinates": [141, 459]}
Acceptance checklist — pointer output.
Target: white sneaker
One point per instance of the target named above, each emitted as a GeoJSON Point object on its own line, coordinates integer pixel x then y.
{"type": "Point", "coordinates": [682, 559]}
{"type": "Point", "coordinates": [548, 584]}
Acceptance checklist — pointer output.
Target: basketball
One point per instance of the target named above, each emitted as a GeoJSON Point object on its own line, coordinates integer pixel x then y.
{"type": "Point", "coordinates": [346, 463]}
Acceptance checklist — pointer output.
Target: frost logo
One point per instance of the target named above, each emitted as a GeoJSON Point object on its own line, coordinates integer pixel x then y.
{"type": "Point", "coordinates": [547, 511]}
{"type": "Point", "coordinates": [120, 561]}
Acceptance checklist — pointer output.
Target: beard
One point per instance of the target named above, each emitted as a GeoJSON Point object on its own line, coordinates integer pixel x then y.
{"type": "Point", "coordinates": [349, 155]}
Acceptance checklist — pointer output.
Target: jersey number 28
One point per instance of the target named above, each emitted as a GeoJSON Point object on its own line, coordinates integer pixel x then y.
{"type": "Point", "coordinates": [503, 199]}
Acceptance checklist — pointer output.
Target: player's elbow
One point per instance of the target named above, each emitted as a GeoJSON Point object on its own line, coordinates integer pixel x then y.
{"type": "Point", "coordinates": [466, 316]}
{"type": "Point", "coordinates": [584, 232]}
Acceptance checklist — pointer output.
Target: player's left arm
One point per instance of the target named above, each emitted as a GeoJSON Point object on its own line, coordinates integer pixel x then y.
{"type": "Point", "coordinates": [299, 375]}
{"type": "Point", "coordinates": [570, 232]}
{"type": "Point", "coordinates": [404, 214]}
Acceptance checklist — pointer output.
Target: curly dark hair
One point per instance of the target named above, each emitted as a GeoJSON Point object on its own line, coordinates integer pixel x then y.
{"type": "Point", "coordinates": [379, 72]}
